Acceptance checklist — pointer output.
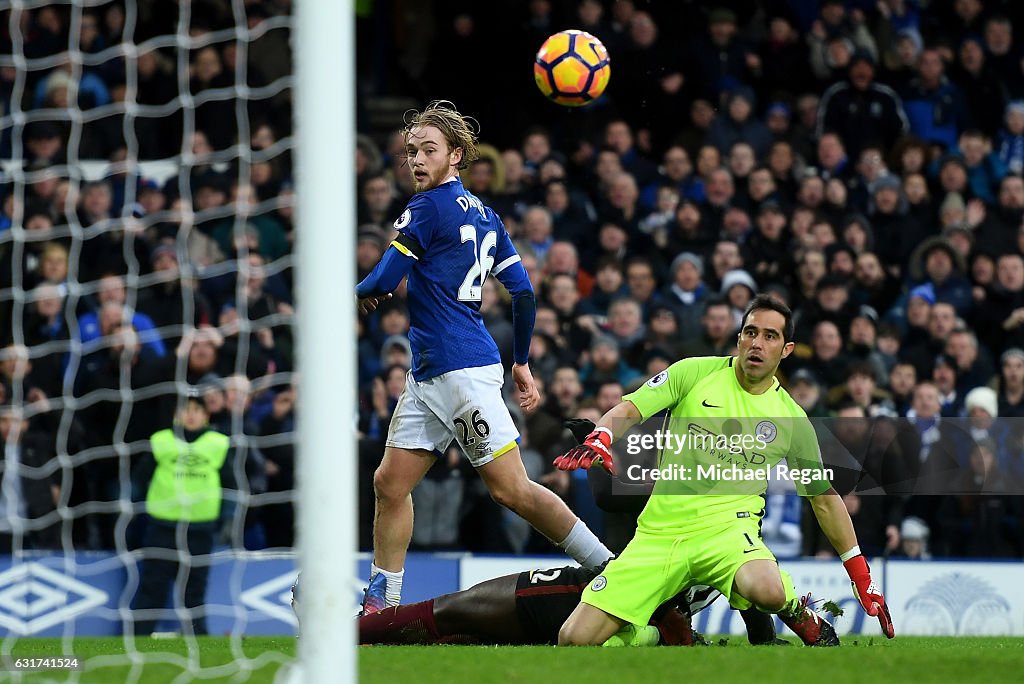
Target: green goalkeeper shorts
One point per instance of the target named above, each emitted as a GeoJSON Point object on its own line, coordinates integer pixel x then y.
{"type": "Point", "coordinates": [654, 568]}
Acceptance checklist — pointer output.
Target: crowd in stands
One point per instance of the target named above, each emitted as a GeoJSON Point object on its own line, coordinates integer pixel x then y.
{"type": "Point", "coordinates": [119, 293]}
{"type": "Point", "coordinates": [859, 159]}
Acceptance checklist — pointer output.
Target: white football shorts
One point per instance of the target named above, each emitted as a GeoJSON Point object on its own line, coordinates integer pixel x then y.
{"type": "Point", "coordinates": [465, 405]}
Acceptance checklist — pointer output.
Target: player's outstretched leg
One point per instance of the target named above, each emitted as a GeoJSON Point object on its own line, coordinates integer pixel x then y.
{"type": "Point", "coordinates": [483, 614]}
{"type": "Point", "coordinates": [393, 482]}
{"type": "Point", "coordinates": [509, 485]}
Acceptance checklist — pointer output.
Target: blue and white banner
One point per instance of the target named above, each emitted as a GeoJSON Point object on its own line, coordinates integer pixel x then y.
{"type": "Point", "coordinates": [90, 594]}
{"type": "Point", "coordinates": [956, 598]}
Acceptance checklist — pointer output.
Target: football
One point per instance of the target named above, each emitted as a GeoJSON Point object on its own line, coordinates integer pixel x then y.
{"type": "Point", "coordinates": [572, 68]}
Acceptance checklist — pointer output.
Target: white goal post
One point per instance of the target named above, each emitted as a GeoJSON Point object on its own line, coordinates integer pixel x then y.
{"type": "Point", "coordinates": [325, 124]}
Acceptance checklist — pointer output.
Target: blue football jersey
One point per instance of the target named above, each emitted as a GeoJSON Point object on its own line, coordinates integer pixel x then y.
{"type": "Point", "coordinates": [456, 242]}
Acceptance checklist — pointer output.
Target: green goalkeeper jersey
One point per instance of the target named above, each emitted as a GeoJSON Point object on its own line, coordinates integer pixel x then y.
{"type": "Point", "coordinates": [719, 445]}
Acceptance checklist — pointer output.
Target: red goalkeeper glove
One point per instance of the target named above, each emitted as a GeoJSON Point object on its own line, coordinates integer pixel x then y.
{"type": "Point", "coordinates": [868, 594]}
{"type": "Point", "coordinates": [596, 448]}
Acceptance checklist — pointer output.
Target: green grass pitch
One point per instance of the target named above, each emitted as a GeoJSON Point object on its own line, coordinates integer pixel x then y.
{"type": "Point", "coordinates": [861, 660]}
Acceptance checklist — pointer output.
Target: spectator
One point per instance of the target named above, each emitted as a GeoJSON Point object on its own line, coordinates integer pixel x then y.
{"type": "Point", "coordinates": [1010, 142]}
{"type": "Point", "coordinates": [738, 289]}
{"type": "Point", "coordinates": [834, 24]}
{"type": "Point", "coordinates": [806, 391]}
{"type": "Point", "coordinates": [913, 540]}
{"type": "Point", "coordinates": [934, 105]}
{"type": "Point", "coordinates": [676, 171]}
{"type": "Point", "coordinates": [861, 111]}
{"type": "Point", "coordinates": [935, 262]}
{"type": "Point", "coordinates": [783, 65]}
{"type": "Point", "coordinates": [984, 170]}
{"type": "Point", "coordinates": [29, 488]}
{"type": "Point", "coordinates": [717, 334]}
{"type": "Point", "coordinates": [723, 58]}
{"type": "Point", "coordinates": [606, 365]}
{"type": "Point", "coordinates": [111, 294]}
{"type": "Point", "coordinates": [184, 495]}
{"type": "Point", "coordinates": [687, 292]}
{"type": "Point", "coordinates": [740, 125]}
{"type": "Point", "coordinates": [985, 91]}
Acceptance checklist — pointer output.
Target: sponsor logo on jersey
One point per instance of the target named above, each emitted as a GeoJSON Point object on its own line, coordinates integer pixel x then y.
{"type": "Point", "coordinates": [767, 431]}
{"type": "Point", "coordinates": [658, 379]}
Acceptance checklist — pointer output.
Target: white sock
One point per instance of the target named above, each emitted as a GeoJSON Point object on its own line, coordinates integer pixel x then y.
{"type": "Point", "coordinates": [584, 547]}
{"type": "Point", "coordinates": [393, 590]}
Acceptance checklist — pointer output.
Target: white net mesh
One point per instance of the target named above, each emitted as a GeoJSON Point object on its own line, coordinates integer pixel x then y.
{"type": "Point", "coordinates": [145, 258]}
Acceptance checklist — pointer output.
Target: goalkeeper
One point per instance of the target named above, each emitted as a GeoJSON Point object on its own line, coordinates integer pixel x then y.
{"type": "Point", "coordinates": [530, 607]}
{"type": "Point", "coordinates": [737, 423]}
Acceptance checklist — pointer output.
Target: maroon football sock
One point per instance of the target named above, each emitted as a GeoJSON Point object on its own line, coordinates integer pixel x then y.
{"type": "Point", "coordinates": [411, 624]}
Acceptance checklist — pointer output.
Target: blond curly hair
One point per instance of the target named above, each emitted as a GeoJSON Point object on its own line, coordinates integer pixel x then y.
{"type": "Point", "coordinates": [460, 132]}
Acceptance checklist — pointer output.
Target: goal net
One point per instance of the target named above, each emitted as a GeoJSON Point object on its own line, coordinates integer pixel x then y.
{"type": "Point", "coordinates": [148, 337]}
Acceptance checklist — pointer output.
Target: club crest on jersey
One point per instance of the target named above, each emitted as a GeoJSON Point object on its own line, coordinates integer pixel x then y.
{"type": "Point", "coordinates": [658, 379]}
{"type": "Point", "coordinates": [599, 583]}
{"type": "Point", "coordinates": [403, 220]}
{"type": "Point", "coordinates": [766, 431]}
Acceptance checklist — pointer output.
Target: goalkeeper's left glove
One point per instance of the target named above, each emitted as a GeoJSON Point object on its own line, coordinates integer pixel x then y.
{"type": "Point", "coordinates": [867, 593]}
{"type": "Point", "coordinates": [596, 448]}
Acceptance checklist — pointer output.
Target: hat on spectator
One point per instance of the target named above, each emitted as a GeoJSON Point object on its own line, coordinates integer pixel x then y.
{"type": "Point", "coordinates": [372, 233]}
{"type": "Point", "coordinates": [770, 205]}
{"type": "Point", "coordinates": [889, 181]}
{"type": "Point", "coordinates": [833, 280]}
{"type": "Point", "coordinates": [745, 92]}
{"type": "Point", "coordinates": [603, 341]}
{"type": "Point", "coordinates": [869, 313]}
{"type": "Point", "coordinates": [954, 202]}
{"type": "Point", "coordinates": [1011, 353]}
{"type": "Point", "coordinates": [778, 108]}
{"type": "Point", "coordinates": [984, 398]}
{"type": "Point", "coordinates": [163, 249]}
{"type": "Point", "coordinates": [210, 381]}
{"type": "Point", "coordinates": [919, 257]}
{"type": "Point", "coordinates": [396, 341]}
{"type": "Point", "coordinates": [688, 257]}
{"type": "Point", "coordinates": [147, 184]}
{"type": "Point", "coordinates": [804, 375]}
{"type": "Point", "coordinates": [862, 55]}
{"type": "Point", "coordinates": [1015, 107]}
{"type": "Point", "coordinates": [959, 228]}
{"type": "Point", "coordinates": [952, 158]}
{"type": "Point", "coordinates": [738, 277]}
{"type": "Point", "coordinates": [721, 15]}
{"type": "Point", "coordinates": [914, 36]}
{"type": "Point", "coordinates": [925, 292]}
{"type": "Point", "coordinates": [914, 528]}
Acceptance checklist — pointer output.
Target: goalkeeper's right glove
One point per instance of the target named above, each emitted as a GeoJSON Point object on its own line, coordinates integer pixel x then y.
{"type": "Point", "coordinates": [596, 448]}
{"type": "Point", "coordinates": [867, 593]}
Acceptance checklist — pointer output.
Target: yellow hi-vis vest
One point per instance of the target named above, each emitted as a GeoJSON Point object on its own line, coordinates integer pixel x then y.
{"type": "Point", "coordinates": [186, 482]}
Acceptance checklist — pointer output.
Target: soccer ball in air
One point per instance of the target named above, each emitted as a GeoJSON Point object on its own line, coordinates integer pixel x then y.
{"type": "Point", "coordinates": [572, 68]}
